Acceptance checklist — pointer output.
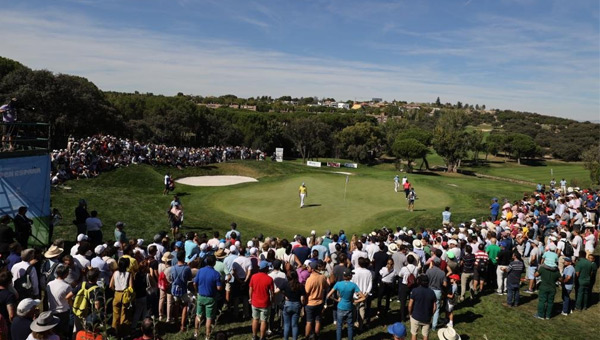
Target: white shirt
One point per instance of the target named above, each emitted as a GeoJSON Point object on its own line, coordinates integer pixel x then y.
{"type": "Point", "coordinates": [160, 250]}
{"type": "Point", "coordinates": [167, 179]}
{"type": "Point", "coordinates": [406, 271]}
{"type": "Point", "coordinates": [81, 261]}
{"type": "Point", "coordinates": [356, 255]}
{"type": "Point", "coordinates": [577, 241]}
{"type": "Point", "coordinates": [93, 224]}
{"type": "Point", "coordinates": [372, 248]}
{"type": "Point", "coordinates": [19, 269]}
{"type": "Point", "coordinates": [589, 243]}
{"type": "Point", "coordinates": [74, 249]}
{"type": "Point", "coordinates": [386, 275]}
{"type": "Point", "coordinates": [57, 291]}
{"type": "Point", "coordinates": [363, 279]}
{"type": "Point", "coordinates": [241, 265]}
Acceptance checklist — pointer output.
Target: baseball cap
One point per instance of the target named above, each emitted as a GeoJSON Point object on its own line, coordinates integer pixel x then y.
{"type": "Point", "coordinates": [398, 329]}
{"type": "Point", "coordinates": [157, 238]}
{"type": "Point", "coordinates": [253, 250]}
{"type": "Point", "coordinates": [99, 249]}
{"type": "Point", "coordinates": [81, 237]}
{"type": "Point", "coordinates": [348, 272]}
{"type": "Point", "coordinates": [222, 245]}
{"type": "Point", "coordinates": [568, 259]}
{"type": "Point", "coordinates": [313, 265]}
{"type": "Point", "coordinates": [233, 249]}
{"type": "Point", "coordinates": [179, 244]}
{"type": "Point", "coordinates": [26, 305]}
{"type": "Point", "coordinates": [263, 264]}
{"type": "Point", "coordinates": [455, 277]}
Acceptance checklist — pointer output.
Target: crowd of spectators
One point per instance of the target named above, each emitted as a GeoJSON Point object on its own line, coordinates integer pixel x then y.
{"type": "Point", "coordinates": [111, 283]}
{"type": "Point", "coordinates": [88, 157]}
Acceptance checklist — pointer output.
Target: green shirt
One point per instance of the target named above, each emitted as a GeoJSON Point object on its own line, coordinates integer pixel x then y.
{"type": "Point", "coordinates": [493, 250]}
{"type": "Point", "coordinates": [586, 269]}
{"type": "Point", "coordinates": [548, 278]}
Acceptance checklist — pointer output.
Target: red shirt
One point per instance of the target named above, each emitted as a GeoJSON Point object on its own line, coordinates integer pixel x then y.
{"type": "Point", "coordinates": [262, 287]}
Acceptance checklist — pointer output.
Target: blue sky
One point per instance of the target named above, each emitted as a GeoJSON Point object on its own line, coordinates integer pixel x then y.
{"type": "Point", "coordinates": [537, 56]}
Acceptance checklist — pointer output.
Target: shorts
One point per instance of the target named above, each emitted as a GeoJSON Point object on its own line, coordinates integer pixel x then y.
{"type": "Point", "coordinates": [313, 313]}
{"type": "Point", "coordinates": [415, 324]}
{"type": "Point", "coordinates": [205, 306]}
{"type": "Point", "coordinates": [449, 307]}
{"type": "Point", "coordinates": [478, 275]}
{"type": "Point", "coordinates": [261, 313]}
{"type": "Point", "coordinates": [531, 273]}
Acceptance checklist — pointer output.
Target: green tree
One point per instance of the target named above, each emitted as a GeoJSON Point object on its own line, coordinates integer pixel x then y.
{"type": "Point", "coordinates": [449, 140]}
{"type": "Point", "coordinates": [361, 141]}
{"type": "Point", "coordinates": [310, 137]}
{"type": "Point", "coordinates": [591, 162]}
{"type": "Point", "coordinates": [438, 103]}
{"type": "Point", "coordinates": [521, 146]}
{"type": "Point", "coordinates": [408, 149]}
{"type": "Point", "coordinates": [475, 143]}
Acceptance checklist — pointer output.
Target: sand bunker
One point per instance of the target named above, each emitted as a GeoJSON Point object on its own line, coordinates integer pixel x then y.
{"type": "Point", "coordinates": [342, 173]}
{"type": "Point", "coordinates": [214, 181]}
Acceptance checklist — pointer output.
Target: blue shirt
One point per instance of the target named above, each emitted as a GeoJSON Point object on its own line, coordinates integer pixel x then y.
{"type": "Point", "coordinates": [346, 291]}
{"type": "Point", "coordinates": [569, 271]}
{"type": "Point", "coordinates": [207, 280]}
{"type": "Point", "coordinates": [190, 249]}
{"type": "Point", "coordinates": [12, 259]}
{"type": "Point", "coordinates": [495, 207]}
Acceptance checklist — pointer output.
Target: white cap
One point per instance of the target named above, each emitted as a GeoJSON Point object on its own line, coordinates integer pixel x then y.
{"type": "Point", "coordinates": [233, 249]}
{"type": "Point", "coordinates": [117, 244]}
{"type": "Point", "coordinates": [312, 232]}
{"type": "Point", "coordinates": [26, 305]}
{"type": "Point", "coordinates": [140, 242]}
{"type": "Point", "coordinates": [473, 220]}
{"type": "Point", "coordinates": [81, 237]}
{"type": "Point", "coordinates": [221, 245]}
{"type": "Point", "coordinates": [99, 249]}
{"type": "Point", "coordinates": [237, 244]}
{"type": "Point", "coordinates": [203, 247]}
{"type": "Point", "coordinates": [253, 250]}
{"type": "Point", "coordinates": [307, 262]}
{"type": "Point", "coordinates": [249, 244]}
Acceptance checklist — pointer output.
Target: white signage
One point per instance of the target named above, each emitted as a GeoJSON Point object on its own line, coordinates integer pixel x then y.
{"type": "Point", "coordinates": [279, 154]}
{"type": "Point", "coordinates": [315, 164]}
{"type": "Point", "coordinates": [351, 165]}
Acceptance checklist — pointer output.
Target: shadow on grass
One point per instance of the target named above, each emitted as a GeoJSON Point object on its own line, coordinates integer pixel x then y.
{"type": "Point", "coordinates": [182, 194]}
{"type": "Point", "coordinates": [466, 317]}
{"type": "Point", "coordinates": [312, 205]}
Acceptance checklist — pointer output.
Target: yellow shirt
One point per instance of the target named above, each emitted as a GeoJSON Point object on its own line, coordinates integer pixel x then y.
{"type": "Point", "coordinates": [302, 190]}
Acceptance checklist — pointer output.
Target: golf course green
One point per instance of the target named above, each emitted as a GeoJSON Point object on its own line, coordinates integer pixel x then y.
{"type": "Point", "coordinates": [271, 205]}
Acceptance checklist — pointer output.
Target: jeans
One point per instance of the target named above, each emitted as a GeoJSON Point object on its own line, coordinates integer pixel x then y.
{"type": "Point", "coordinates": [291, 313]}
{"type": "Point", "coordinates": [341, 315]}
{"type": "Point", "coordinates": [513, 294]}
{"type": "Point", "coordinates": [566, 297]}
{"type": "Point", "coordinates": [438, 303]}
{"type": "Point", "coordinates": [403, 293]}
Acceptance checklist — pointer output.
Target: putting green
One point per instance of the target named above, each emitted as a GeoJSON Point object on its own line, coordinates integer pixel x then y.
{"type": "Point", "coordinates": [277, 204]}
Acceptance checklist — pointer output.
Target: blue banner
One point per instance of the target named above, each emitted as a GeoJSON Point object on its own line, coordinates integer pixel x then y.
{"type": "Point", "coordinates": [25, 181]}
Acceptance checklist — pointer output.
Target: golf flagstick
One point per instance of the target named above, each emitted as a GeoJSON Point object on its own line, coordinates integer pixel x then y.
{"type": "Point", "coordinates": [346, 186]}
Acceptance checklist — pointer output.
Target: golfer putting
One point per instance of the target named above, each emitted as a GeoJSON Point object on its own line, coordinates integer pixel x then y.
{"type": "Point", "coordinates": [303, 192]}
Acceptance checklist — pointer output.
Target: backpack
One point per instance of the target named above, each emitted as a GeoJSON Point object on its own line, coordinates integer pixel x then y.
{"type": "Point", "coordinates": [568, 251]}
{"type": "Point", "coordinates": [163, 283]}
{"type": "Point", "coordinates": [482, 265]}
{"type": "Point", "coordinates": [82, 301]}
{"type": "Point", "coordinates": [23, 284]}
{"type": "Point", "coordinates": [178, 288]}
{"type": "Point", "coordinates": [411, 281]}
{"type": "Point", "coordinates": [51, 273]}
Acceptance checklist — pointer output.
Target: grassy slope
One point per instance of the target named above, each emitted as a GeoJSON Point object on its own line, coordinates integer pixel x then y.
{"type": "Point", "coordinates": [133, 195]}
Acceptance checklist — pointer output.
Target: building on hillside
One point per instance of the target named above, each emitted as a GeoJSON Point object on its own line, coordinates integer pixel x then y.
{"type": "Point", "coordinates": [376, 100]}
{"type": "Point", "coordinates": [342, 105]}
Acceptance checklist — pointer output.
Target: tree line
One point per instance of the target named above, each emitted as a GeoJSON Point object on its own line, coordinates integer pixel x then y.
{"type": "Point", "coordinates": [75, 106]}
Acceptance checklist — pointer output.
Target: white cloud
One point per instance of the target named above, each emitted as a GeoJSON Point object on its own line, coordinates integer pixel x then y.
{"type": "Point", "coordinates": [125, 59]}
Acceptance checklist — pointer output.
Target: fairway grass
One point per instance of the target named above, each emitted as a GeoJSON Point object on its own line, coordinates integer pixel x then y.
{"type": "Point", "coordinates": [271, 206]}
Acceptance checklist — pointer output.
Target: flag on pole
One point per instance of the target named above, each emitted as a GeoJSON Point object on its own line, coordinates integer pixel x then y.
{"type": "Point", "coordinates": [347, 179]}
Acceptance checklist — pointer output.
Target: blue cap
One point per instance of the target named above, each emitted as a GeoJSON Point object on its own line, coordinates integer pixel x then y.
{"type": "Point", "coordinates": [398, 329]}
{"type": "Point", "coordinates": [179, 244]}
{"type": "Point", "coordinates": [263, 264]}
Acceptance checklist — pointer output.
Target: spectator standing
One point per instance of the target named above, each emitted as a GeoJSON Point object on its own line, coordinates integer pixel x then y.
{"type": "Point", "coordinates": [120, 281]}
{"type": "Point", "coordinates": [22, 226]}
{"type": "Point", "coordinates": [568, 280]}
{"type": "Point", "coordinates": [27, 310]}
{"type": "Point", "coordinates": [363, 278]}
{"type": "Point", "coordinates": [421, 307]}
{"type": "Point", "coordinates": [81, 215]}
{"type": "Point", "coordinates": [316, 287]}
{"type": "Point", "coordinates": [180, 275]}
{"type": "Point", "coordinates": [294, 299]}
{"type": "Point", "coordinates": [26, 268]}
{"type": "Point", "coordinates": [346, 291]}
{"type": "Point", "coordinates": [437, 282]}
{"type": "Point", "coordinates": [404, 289]}
{"type": "Point", "coordinates": [60, 298]}
{"type": "Point", "coordinates": [43, 328]}
{"type": "Point", "coordinates": [207, 282]}
{"type": "Point", "coordinates": [94, 228]}
{"type": "Point", "coordinates": [261, 294]}
{"type": "Point", "coordinates": [513, 279]}
{"type": "Point", "coordinates": [547, 291]}
{"type": "Point", "coordinates": [585, 270]}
